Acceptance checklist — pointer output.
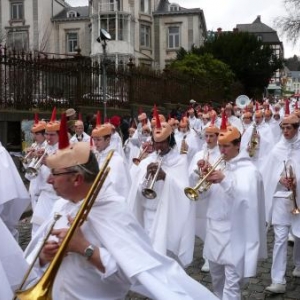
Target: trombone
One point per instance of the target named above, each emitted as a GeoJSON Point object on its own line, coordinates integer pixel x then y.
{"type": "Point", "coordinates": [148, 192]}
{"type": "Point", "coordinates": [43, 288]}
{"type": "Point", "coordinates": [193, 192]}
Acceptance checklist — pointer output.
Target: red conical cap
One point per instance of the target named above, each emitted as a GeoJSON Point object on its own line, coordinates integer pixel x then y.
{"type": "Point", "coordinates": [157, 120]}
{"type": "Point", "coordinates": [296, 105]}
{"type": "Point", "coordinates": [98, 120]}
{"type": "Point", "coordinates": [91, 142]}
{"type": "Point", "coordinates": [287, 107]}
{"type": "Point", "coordinates": [80, 116]}
{"type": "Point", "coordinates": [53, 116]}
{"type": "Point", "coordinates": [36, 118]}
{"type": "Point", "coordinates": [213, 119]}
{"type": "Point", "coordinates": [256, 106]}
{"type": "Point", "coordinates": [63, 141]}
{"type": "Point", "coordinates": [224, 121]}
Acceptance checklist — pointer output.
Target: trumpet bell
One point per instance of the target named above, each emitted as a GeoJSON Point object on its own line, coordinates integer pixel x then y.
{"type": "Point", "coordinates": [31, 171]}
{"type": "Point", "coordinates": [149, 193]}
{"type": "Point", "coordinates": [191, 193]}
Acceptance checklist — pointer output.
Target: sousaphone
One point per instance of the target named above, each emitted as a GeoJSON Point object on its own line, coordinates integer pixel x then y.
{"type": "Point", "coordinates": [242, 101]}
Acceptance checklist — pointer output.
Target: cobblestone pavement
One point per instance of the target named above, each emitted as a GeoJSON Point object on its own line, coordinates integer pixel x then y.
{"type": "Point", "coordinates": [253, 290]}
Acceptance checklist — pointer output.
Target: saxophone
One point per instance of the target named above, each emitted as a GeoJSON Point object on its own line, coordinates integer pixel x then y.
{"type": "Point", "coordinates": [254, 142]}
{"type": "Point", "coordinates": [184, 146]}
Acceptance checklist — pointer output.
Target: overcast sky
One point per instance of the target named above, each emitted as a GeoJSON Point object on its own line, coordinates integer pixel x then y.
{"type": "Point", "coordinates": [227, 13]}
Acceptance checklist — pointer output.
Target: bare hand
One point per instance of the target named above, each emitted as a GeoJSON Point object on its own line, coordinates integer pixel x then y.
{"type": "Point", "coordinates": [48, 252]}
{"type": "Point", "coordinates": [216, 176]}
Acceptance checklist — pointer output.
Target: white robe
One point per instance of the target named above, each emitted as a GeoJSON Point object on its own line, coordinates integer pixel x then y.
{"type": "Point", "coordinates": [169, 219]}
{"type": "Point", "coordinates": [12, 264]}
{"type": "Point", "coordinates": [272, 170]}
{"type": "Point", "coordinates": [14, 198]}
{"type": "Point", "coordinates": [236, 232]}
{"type": "Point", "coordinates": [119, 173]}
{"type": "Point", "coordinates": [202, 203]}
{"type": "Point", "coordinates": [127, 256]}
{"type": "Point", "coordinates": [85, 138]}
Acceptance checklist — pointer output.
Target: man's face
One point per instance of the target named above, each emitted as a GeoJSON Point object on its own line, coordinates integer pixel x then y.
{"type": "Point", "coordinates": [79, 129]}
{"type": "Point", "coordinates": [229, 150]}
{"type": "Point", "coordinates": [163, 146]}
{"type": "Point", "coordinates": [183, 129]}
{"type": "Point", "coordinates": [276, 117]}
{"type": "Point", "coordinates": [101, 143]}
{"type": "Point", "coordinates": [268, 118]}
{"type": "Point", "coordinates": [247, 120]}
{"type": "Point", "coordinates": [38, 137]}
{"type": "Point", "coordinates": [211, 140]}
{"type": "Point", "coordinates": [205, 120]}
{"type": "Point", "coordinates": [62, 181]}
{"type": "Point", "coordinates": [288, 131]}
{"type": "Point", "coordinates": [258, 119]}
{"type": "Point", "coordinates": [228, 112]}
{"type": "Point", "coordinates": [51, 137]}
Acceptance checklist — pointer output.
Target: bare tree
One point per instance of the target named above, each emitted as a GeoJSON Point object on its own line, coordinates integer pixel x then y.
{"type": "Point", "coordinates": [289, 25]}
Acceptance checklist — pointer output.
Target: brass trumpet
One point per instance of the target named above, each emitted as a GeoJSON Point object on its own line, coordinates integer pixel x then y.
{"type": "Point", "coordinates": [148, 192]}
{"type": "Point", "coordinates": [43, 288]}
{"type": "Point", "coordinates": [33, 170]}
{"type": "Point", "coordinates": [253, 143]}
{"type": "Point", "coordinates": [291, 175]}
{"type": "Point", "coordinates": [193, 192]}
{"type": "Point", "coordinates": [184, 146]}
{"type": "Point", "coordinates": [137, 160]}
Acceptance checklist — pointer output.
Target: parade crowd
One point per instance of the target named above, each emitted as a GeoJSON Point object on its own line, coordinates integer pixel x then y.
{"type": "Point", "coordinates": [227, 175]}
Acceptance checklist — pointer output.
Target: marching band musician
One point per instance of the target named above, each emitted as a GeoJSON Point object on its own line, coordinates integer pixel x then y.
{"type": "Point", "coordinates": [80, 135]}
{"type": "Point", "coordinates": [210, 153]}
{"type": "Point", "coordinates": [258, 139]}
{"type": "Point", "coordinates": [110, 253]}
{"type": "Point", "coordinates": [187, 141]}
{"type": "Point", "coordinates": [194, 122]}
{"type": "Point", "coordinates": [119, 174]}
{"type": "Point", "coordinates": [168, 218]}
{"type": "Point", "coordinates": [47, 195]}
{"type": "Point", "coordinates": [247, 119]}
{"type": "Point", "coordinates": [38, 133]}
{"type": "Point", "coordinates": [232, 119]}
{"type": "Point", "coordinates": [279, 206]}
{"type": "Point", "coordinates": [131, 150]}
{"type": "Point", "coordinates": [235, 235]}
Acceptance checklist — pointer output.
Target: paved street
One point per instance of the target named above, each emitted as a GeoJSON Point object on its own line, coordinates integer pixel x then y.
{"type": "Point", "coordinates": [253, 290]}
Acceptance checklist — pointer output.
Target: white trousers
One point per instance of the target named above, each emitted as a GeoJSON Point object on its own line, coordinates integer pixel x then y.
{"type": "Point", "coordinates": [226, 281]}
{"type": "Point", "coordinates": [278, 270]}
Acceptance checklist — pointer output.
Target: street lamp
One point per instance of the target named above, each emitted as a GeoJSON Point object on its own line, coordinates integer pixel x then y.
{"type": "Point", "coordinates": [102, 39]}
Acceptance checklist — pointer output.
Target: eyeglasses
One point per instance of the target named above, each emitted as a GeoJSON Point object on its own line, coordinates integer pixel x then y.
{"type": "Point", "coordinates": [63, 173]}
{"type": "Point", "coordinates": [287, 127]}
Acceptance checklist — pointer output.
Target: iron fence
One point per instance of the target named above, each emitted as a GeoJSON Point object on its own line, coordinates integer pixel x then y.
{"type": "Point", "coordinates": [34, 80]}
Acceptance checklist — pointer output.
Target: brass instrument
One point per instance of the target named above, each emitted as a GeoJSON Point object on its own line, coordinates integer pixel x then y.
{"type": "Point", "coordinates": [254, 142]}
{"type": "Point", "coordinates": [184, 146]}
{"type": "Point", "coordinates": [137, 160]}
{"type": "Point", "coordinates": [291, 175]}
{"type": "Point", "coordinates": [43, 288]}
{"type": "Point", "coordinates": [148, 192]}
{"type": "Point", "coordinates": [34, 169]}
{"type": "Point", "coordinates": [55, 219]}
{"type": "Point", "coordinates": [126, 149]}
{"type": "Point", "coordinates": [202, 185]}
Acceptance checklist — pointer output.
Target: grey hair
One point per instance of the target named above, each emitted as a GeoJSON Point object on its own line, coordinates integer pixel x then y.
{"type": "Point", "coordinates": [89, 170]}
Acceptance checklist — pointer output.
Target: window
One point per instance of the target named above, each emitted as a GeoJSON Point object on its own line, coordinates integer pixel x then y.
{"type": "Point", "coordinates": [17, 10]}
{"type": "Point", "coordinates": [72, 14]}
{"type": "Point", "coordinates": [72, 42]}
{"type": "Point", "coordinates": [174, 7]}
{"type": "Point", "coordinates": [17, 40]}
{"type": "Point", "coordinates": [109, 24]}
{"type": "Point", "coordinates": [145, 36]}
{"type": "Point", "coordinates": [145, 6]}
{"type": "Point", "coordinates": [173, 37]}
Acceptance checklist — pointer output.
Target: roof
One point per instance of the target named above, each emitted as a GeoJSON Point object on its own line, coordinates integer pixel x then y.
{"type": "Point", "coordinates": [82, 11]}
{"type": "Point", "coordinates": [163, 9]}
{"type": "Point", "coordinates": [267, 34]}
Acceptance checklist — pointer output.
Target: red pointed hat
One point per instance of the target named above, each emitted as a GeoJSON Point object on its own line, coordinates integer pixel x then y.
{"type": "Point", "coordinates": [98, 119]}
{"type": "Point", "coordinates": [38, 125]}
{"type": "Point", "coordinates": [68, 155]}
{"type": "Point", "coordinates": [223, 122]}
{"type": "Point", "coordinates": [287, 107]}
{"type": "Point", "coordinates": [53, 125]}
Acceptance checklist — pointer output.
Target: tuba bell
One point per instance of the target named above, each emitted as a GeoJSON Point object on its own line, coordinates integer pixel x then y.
{"type": "Point", "coordinates": [242, 101]}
